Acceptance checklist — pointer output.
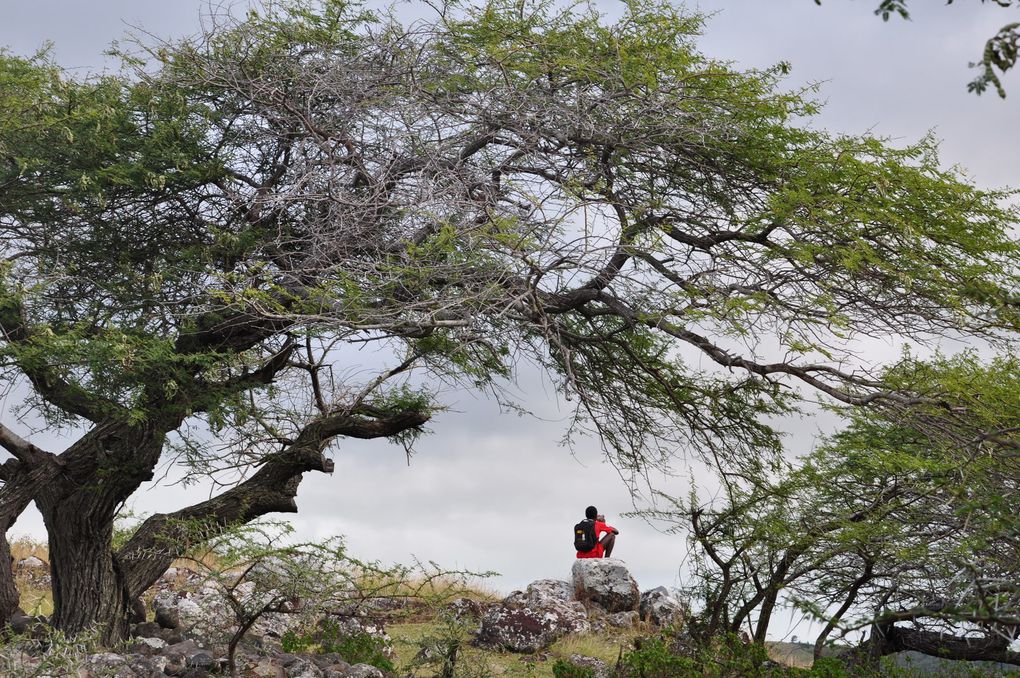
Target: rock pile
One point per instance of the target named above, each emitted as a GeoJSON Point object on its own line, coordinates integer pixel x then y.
{"type": "Point", "coordinates": [194, 624]}
{"type": "Point", "coordinates": [602, 592]}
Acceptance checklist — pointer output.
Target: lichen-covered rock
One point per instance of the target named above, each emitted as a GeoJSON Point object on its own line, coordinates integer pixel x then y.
{"type": "Point", "coordinates": [303, 668]}
{"type": "Point", "coordinates": [364, 671]}
{"type": "Point", "coordinates": [598, 667]}
{"type": "Point", "coordinates": [605, 582]}
{"type": "Point", "coordinates": [543, 590]}
{"type": "Point", "coordinates": [466, 609]}
{"type": "Point", "coordinates": [623, 620]}
{"type": "Point", "coordinates": [529, 621]}
{"type": "Point", "coordinates": [662, 608]}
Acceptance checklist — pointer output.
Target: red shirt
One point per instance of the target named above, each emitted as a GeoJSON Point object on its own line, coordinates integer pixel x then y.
{"type": "Point", "coordinates": [600, 529]}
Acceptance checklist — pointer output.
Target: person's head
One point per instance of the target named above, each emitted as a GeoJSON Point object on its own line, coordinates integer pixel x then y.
{"type": "Point", "coordinates": [591, 512]}
{"type": "Point", "coordinates": [601, 518]}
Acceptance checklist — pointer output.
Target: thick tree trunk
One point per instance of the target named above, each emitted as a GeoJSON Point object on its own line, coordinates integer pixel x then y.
{"type": "Point", "coordinates": [88, 589]}
{"type": "Point", "coordinates": [78, 506]}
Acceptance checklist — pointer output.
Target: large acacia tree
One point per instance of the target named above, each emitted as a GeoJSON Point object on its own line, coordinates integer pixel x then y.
{"type": "Point", "coordinates": [196, 245]}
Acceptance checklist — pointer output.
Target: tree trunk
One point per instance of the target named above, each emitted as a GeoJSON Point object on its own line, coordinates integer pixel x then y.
{"type": "Point", "coordinates": [78, 506]}
{"type": "Point", "coordinates": [88, 589]}
{"type": "Point", "coordinates": [21, 482]}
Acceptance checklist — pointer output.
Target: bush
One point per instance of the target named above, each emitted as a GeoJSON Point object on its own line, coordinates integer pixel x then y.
{"type": "Point", "coordinates": [564, 669]}
{"type": "Point", "coordinates": [356, 648]}
{"type": "Point", "coordinates": [653, 658]}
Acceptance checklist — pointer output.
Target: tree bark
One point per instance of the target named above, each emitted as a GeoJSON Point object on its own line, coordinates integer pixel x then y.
{"type": "Point", "coordinates": [88, 588]}
{"type": "Point", "coordinates": [79, 504]}
{"type": "Point", "coordinates": [988, 648]}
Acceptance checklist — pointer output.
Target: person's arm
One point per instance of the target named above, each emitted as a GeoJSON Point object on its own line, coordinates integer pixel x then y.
{"type": "Point", "coordinates": [602, 527]}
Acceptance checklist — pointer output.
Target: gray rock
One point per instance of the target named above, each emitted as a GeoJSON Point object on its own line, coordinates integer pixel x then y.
{"type": "Point", "coordinates": [364, 671]}
{"type": "Point", "coordinates": [108, 664]}
{"type": "Point", "coordinates": [466, 609]}
{"type": "Point", "coordinates": [605, 582]}
{"type": "Point", "coordinates": [31, 562]}
{"type": "Point", "coordinates": [622, 620]}
{"type": "Point", "coordinates": [544, 590]}
{"type": "Point", "coordinates": [146, 630]}
{"type": "Point", "coordinates": [165, 607]}
{"type": "Point", "coordinates": [153, 643]}
{"type": "Point", "coordinates": [183, 649]}
{"type": "Point", "coordinates": [519, 627]}
{"type": "Point", "coordinates": [303, 668]}
{"type": "Point", "coordinates": [661, 608]}
{"type": "Point", "coordinates": [267, 667]}
{"type": "Point", "coordinates": [202, 659]}
{"type": "Point", "coordinates": [599, 667]}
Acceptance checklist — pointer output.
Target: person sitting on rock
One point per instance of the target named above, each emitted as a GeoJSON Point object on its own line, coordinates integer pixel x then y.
{"type": "Point", "coordinates": [605, 536]}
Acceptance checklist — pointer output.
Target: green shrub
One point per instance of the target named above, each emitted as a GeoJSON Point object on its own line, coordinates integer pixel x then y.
{"type": "Point", "coordinates": [355, 648]}
{"type": "Point", "coordinates": [564, 669]}
{"type": "Point", "coordinates": [653, 658]}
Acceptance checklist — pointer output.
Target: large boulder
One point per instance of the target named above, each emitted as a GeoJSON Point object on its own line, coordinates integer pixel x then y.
{"type": "Point", "coordinates": [531, 620]}
{"type": "Point", "coordinates": [606, 583]}
{"type": "Point", "coordinates": [662, 608]}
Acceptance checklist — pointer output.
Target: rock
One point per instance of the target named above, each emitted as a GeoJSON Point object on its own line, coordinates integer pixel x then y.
{"type": "Point", "coordinates": [598, 667]}
{"type": "Point", "coordinates": [550, 589]}
{"type": "Point", "coordinates": [520, 627]}
{"type": "Point", "coordinates": [267, 667]}
{"type": "Point", "coordinates": [346, 627]}
{"type": "Point", "coordinates": [108, 664]}
{"type": "Point", "coordinates": [202, 659]}
{"type": "Point", "coordinates": [302, 668]}
{"type": "Point", "coordinates": [605, 582]}
{"type": "Point", "coordinates": [21, 623]}
{"type": "Point", "coordinates": [327, 659]}
{"type": "Point", "coordinates": [31, 562]}
{"type": "Point", "coordinates": [623, 620]}
{"type": "Point", "coordinates": [165, 607]}
{"type": "Point", "coordinates": [531, 620]}
{"type": "Point", "coordinates": [182, 649]}
{"type": "Point", "coordinates": [146, 630]}
{"type": "Point", "coordinates": [466, 609]}
{"type": "Point", "coordinates": [364, 671]}
{"type": "Point", "coordinates": [661, 608]}
{"type": "Point", "coordinates": [154, 643]}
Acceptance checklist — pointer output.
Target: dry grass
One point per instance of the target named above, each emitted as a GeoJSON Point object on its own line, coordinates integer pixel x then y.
{"type": "Point", "coordinates": [800, 655]}
{"type": "Point", "coordinates": [606, 646]}
{"type": "Point", "coordinates": [23, 547]}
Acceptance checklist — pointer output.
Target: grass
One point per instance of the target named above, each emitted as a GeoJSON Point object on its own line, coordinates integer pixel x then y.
{"type": "Point", "coordinates": [605, 646]}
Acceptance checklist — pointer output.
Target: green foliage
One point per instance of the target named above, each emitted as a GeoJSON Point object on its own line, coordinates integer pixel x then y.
{"type": "Point", "coordinates": [330, 637]}
{"type": "Point", "coordinates": [655, 659]}
{"type": "Point", "coordinates": [562, 668]}
{"type": "Point", "coordinates": [355, 648]}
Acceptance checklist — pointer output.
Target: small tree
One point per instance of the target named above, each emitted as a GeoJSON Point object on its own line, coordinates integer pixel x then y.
{"type": "Point", "coordinates": [892, 524]}
{"type": "Point", "coordinates": [257, 571]}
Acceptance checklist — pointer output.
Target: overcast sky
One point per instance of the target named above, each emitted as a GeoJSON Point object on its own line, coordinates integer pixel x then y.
{"type": "Point", "coordinates": [482, 472]}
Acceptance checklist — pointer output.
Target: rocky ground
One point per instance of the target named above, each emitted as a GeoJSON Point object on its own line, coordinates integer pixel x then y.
{"type": "Point", "coordinates": [189, 624]}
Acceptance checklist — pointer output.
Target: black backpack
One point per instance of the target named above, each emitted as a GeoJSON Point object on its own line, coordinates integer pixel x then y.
{"type": "Point", "coordinates": [584, 536]}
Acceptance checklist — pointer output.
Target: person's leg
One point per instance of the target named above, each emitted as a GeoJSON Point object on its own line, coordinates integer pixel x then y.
{"type": "Point", "coordinates": [608, 541]}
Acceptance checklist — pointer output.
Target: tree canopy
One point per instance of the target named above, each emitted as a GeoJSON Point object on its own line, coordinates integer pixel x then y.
{"type": "Point", "coordinates": [893, 526]}
{"type": "Point", "coordinates": [199, 242]}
